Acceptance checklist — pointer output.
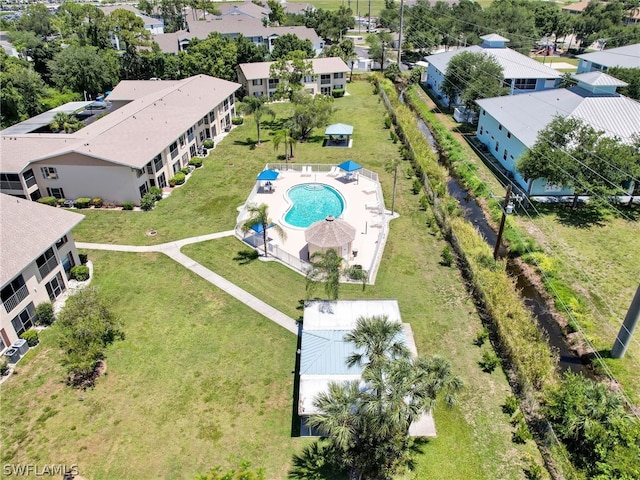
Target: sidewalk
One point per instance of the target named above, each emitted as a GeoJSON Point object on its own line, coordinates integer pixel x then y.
{"type": "Point", "coordinates": [172, 250]}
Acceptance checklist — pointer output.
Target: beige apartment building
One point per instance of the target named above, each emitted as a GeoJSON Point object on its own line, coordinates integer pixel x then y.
{"type": "Point", "coordinates": [37, 253]}
{"type": "Point", "coordinates": [152, 128]}
{"type": "Point", "coordinates": [329, 74]}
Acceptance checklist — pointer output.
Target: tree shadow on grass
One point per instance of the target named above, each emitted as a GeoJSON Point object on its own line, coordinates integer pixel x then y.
{"type": "Point", "coordinates": [584, 216]}
{"type": "Point", "coordinates": [277, 123]}
{"type": "Point", "coordinates": [315, 139]}
{"type": "Point", "coordinates": [245, 257]}
{"type": "Point", "coordinates": [249, 142]}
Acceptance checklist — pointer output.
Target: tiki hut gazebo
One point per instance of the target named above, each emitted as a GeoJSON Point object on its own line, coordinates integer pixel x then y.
{"type": "Point", "coordinates": [330, 233]}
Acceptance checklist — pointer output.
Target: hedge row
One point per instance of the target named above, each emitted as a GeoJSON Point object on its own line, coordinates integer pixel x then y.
{"type": "Point", "coordinates": [519, 338]}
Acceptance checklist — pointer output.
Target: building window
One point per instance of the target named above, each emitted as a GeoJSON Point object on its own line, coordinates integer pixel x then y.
{"type": "Point", "coordinates": [46, 262]}
{"type": "Point", "coordinates": [61, 242]}
{"type": "Point", "coordinates": [508, 134]}
{"type": "Point", "coordinates": [176, 167]}
{"type": "Point", "coordinates": [14, 293]}
{"type": "Point", "coordinates": [181, 140]}
{"type": "Point", "coordinates": [35, 195]}
{"type": "Point", "coordinates": [205, 119]}
{"type": "Point", "coordinates": [497, 146]}
{"type": "Point", "coordinates": [143, 189]}
{"type": "Point", "coordinates": [308, 78]}
{"type": "Point", "coordinates": [504, 155]}
{"type": "Point", "coordinates": [525, 84]}
{"type": "Point", "coordinates": [192, 150]}
{"type": "Point", "coordinates": [149, 168]}
{"type": "Point", "coordinates": [256, 82]}
{"type": "Point", "coordinates": [55, 287]}
{"type": "Point", "coordinates": [29, 178]}
{"type": "Point", "coordinates": [185, 160]}
{"type": "Point", "coordinates": [10, 181]}
{"type": "Point", "coordinates": [68, 262]}
{"type": "Point", "coordinates": [201, 134]}
{"type": "Point", "coordinates": [338, 75]}
{"type": "Point", "coordinates": [190, 136]}
{"type": "Point", "coordinates": [325, 79]}
{"type": "Point", "coordinates": [139, 172]}
{"type": "Point", "coordinates": [257, 94]}
{"type": "Point", "coordinates": [212, 116]}
{"type": "Point", "coordinates": [499, 127]}
{"type": "Point", "coordinates": [226, 103]}
{"type": "Point", "coordinates": [55, 192]}
{"type": "Point", "coordinates": [232, 100]}
{"type": "Point", "coordinates": [200, 122]}
{"type": "Point", "coordinates": [49, 172]}
{"type": "Point", "coordinates": [273, 82]}
{"type": "Point", "coordinates": [162, 180]}
{"type": "Point", "coordinates": [483, 112]}
{"type": "Point", "coordinates": [481, 130]}
{"type": "Point", "coordinates": [173, 150]}
{"type": "Point", "coordinates": [157, 162]}
{"type": "Point", "coordinates": [24, 320]}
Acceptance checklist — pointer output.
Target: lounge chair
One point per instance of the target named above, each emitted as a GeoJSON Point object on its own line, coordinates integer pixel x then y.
{"type": "Point", "coordinates": [334, 172]}
{"type": "Point", "coordinates": [372, 206]}
{"type": "Point", "coordinates": [370, 190]}
{"type": "Point", "coordinates": [306, 171]}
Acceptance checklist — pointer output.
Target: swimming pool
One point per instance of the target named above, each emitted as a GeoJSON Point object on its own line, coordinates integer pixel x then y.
{"type": "Point", "coordinates": [312, 202]}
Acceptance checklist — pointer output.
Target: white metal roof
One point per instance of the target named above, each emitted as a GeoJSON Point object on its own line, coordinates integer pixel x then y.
{"type": "Point", "coordinates": [526, 114]}
{"type": "Point", "coordinates": [514, 64]}
{"type": "Point", "coordinates": [627, 57]}
{"type": "Point", "coordinates": [27, 229]}
{"type": "Point", "coordinates": [343, 314]}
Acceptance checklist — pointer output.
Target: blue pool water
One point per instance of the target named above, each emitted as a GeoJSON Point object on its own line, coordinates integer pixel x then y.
{"type": "Point", "coordinates": [312, 202]}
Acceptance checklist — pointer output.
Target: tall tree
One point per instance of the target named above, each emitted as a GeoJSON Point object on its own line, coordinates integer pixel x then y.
{"type": "Point", "coordinates": [288, 43]}
{"type": "Point", "coordinates": [291, 71]}
{"type": "Point", "coordinates": [85, 69]}
{"type": "Point", "coordinates": [257, 107]}
{"type": "Point", "coordinates": [630, 76]}
{"type": "Point", "coordinates": [471, 76]}
{"type": "Point", "coordinates": [216, 56]}
{"type": "Point", "coordinates": [36, 19]}
{"type": "Point", "coordinates": [573, 154]}
{"type": "Point", "coordinates": [309, 113]}
{"type": "Point", "coordinates": [276, 12]}
{"type": "Point", "coordinates": [22, 90]}
{"type": "Point", "coordinates": [345, 49]}
{"type": "Point", "coordinates": [284, 136]}
{"type": "Point", "coordinates": [515, 20]}
{"type": "Point", "coordinates": [66, 122]}
{"type": "Point", "coordinates": [377, 340]}
{"type": "Point", "coordinates": [259, 215]}
{"type": "Point", "coordinates": [325, 269]}
{"type": "Point", "coordinates": [379, 45]}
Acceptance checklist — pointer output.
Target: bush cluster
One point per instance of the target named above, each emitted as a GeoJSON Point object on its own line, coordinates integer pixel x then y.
{"type": "Point", "coordinates": [337, 92]}
{"type": "Point", "coordinates": [97, 202]}
{"type": "Point", "coordinates": [178, 179]}
{"type": "Point", "coordinates": [83, 202]}
{"type": "Point", "coordinates": [148, 201]}
{"type": "Point", "coordinates": [79, 273]}
{"type": "Point", "coordinates": [4, 366]}
{"type": "Point", "coordinates": [237, 120]}
{"type": "Point", "coordinates": [208, 143]}
{"type": "Point", "coordinates": [44, 314]}
{"type": "Point", "coordinates": [31, 336]}
{"type": "Point", "coordinates": [127, 205]}
{"type": "Point", "coordinates": [185, 170]}
{"type": "Point", "coordinates": [156, 192]}
{"type": "Point", "coordinates": [51, 201]}
{"type": "Point", "coordinates": [196, 162]}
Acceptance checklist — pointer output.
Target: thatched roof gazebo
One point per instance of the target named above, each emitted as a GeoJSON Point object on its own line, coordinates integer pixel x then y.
{"type": "Point", "coordinates": [330, 233]}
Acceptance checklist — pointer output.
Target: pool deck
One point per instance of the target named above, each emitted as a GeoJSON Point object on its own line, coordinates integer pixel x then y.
{"type": "Point", "coordinates": [364, 210]}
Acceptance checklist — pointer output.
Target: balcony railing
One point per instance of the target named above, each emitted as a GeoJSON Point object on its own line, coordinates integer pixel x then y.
{"type": "Point", "coordinates": [14, 300]}
{"type": "Point", "coordinates": [190, 137]}
{"type": "Point", "coordinates": [325, 81]}
{"type": "Point", "coordinates": [174, 154]}
{"type": "Point", "coordinates": [30, 181]}
{"type": "Point", "coordinates": [10, 185]}
{"type": "Point", "coordinates": [48, 266]}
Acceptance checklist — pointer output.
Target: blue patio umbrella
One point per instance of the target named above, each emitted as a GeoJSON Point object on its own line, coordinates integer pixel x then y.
{"type": "Point", "coordinates": [258, 228]}
{"type": "Point", "coordinates": [268, 175]}
{"type": "Point", "coordinates": [350, 166]}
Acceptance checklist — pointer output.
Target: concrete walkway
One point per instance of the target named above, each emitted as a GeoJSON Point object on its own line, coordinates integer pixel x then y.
{"type": "Point", "coordinates": [172, 250]}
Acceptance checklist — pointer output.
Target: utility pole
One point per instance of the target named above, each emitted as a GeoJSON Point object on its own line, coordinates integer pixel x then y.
{"type": "Point", "coordinates": [505, 206]}
{"type": "Point", "coordinates": [358, 15]}
{"type": "Point", "coordinates": [628, 326]}
{"type": "Point", "coordinates": [400, 33]}
{"type": "Point", "coordinates": [369, 19]}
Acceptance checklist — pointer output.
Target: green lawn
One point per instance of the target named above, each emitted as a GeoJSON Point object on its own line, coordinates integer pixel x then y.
{"type": "Point", "coordinates": [202, 380]}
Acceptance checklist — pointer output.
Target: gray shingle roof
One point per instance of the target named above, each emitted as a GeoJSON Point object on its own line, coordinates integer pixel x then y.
{"type": "Point", "coordinates": [133, 134]}
{"type": "Point", "coordinates": [514, 64]}
{"type": "Point", "coordinates": [526, 114]}
{"type": "Point", "coordinates": [27, 229]}
{"type": "Point", "coordinates": [627, 57]}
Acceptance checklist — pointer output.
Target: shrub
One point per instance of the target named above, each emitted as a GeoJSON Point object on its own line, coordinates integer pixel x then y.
{"type": "Point", "coordinates": [447, 257]}
{"type": "Point", "coordinates": [424, 203]}
{"type": "Point", "coordinates": [185, 170]}
{"type": "Point", "coordinates": [48, 201]}
{"type": "Point", "coordinates": [127, 205]}
{"type": "Point", "coordinates": [416, 187]}
{"type": "Point", "coordinates": [511, 404]}
{"type": "Point", "coordinates": [97, 202]}
{"type": "Point", "coordinates": [337, 92]}
{"type": "Point", "coordinates": [83, 258]}
{"type": "Point", "coordinates": [178, 179]}
{"type": "Point", "coordinates": [4, 366]}
{"type": "Point", "coordinates": [207, 143]}
{"type": "Point", "coordinates": [61, 201]}
{"type": "Point", "coordinates": [148, 201]}
{"type": "Point", "coordinates": [31, 336]}
{"type": "Point", "coordinates": [394, 136]}
{"type": "Point", "coordinates": [522, 433]}
{"type": "Point", "coordinates": [156, 192]}
{"type": "Point", "coordinates": [237, 120]}
{"type": "Point", "coordinates": [79, 273]}
{"type": "Point", "coordinates": [481, 337]}
{"type": "Point", "coordinates": [44, 314]}
{"type": "Point", "coordinates": [489, 361]}
{"type": "Point", "coordinates": [387, 121]}
{"type": "Point", "coordinates": [196, 162]}
{"type": "Point", "coordinates": [533, 471]}
{"type": "Point", "coordinates": [83, 202]}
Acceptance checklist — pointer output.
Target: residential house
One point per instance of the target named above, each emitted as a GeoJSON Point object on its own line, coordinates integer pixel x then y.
{"type": "Point", "coordinates": [329, 74]}
{"type": "Point", "coordinates": [324, 352]}
{"type": "Point", "coordinates": [248, 9]}
{"type": "Point", "coordinates": [509, 126]}
{"type": "Point", "coordinates": [232, 26]}
{"type": "Point", "coordinates": [36, 255]}
{"type": "Point", "coordinates": [152, 130]}
{"type": "Point", "coordinates": [155, 26]}
{"type": "Point", "coordinates": [625, 57]}
{"type": "Point", "coordinates": [521, 73]}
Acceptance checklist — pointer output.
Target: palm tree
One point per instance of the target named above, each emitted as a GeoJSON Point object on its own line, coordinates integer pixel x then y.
{"type": "Point", "coordinates": [378, 339]}
{"type": "Point", "coordinates": [325, 268]}
{"type": "Point", "coordinates": [256, 106]}
{"type": "Point", "coordinates": [284, 136]}
{"type": "Point", "coordinates": [259, 215]}
{"type": "Point", "coordinates": [65, 121]}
